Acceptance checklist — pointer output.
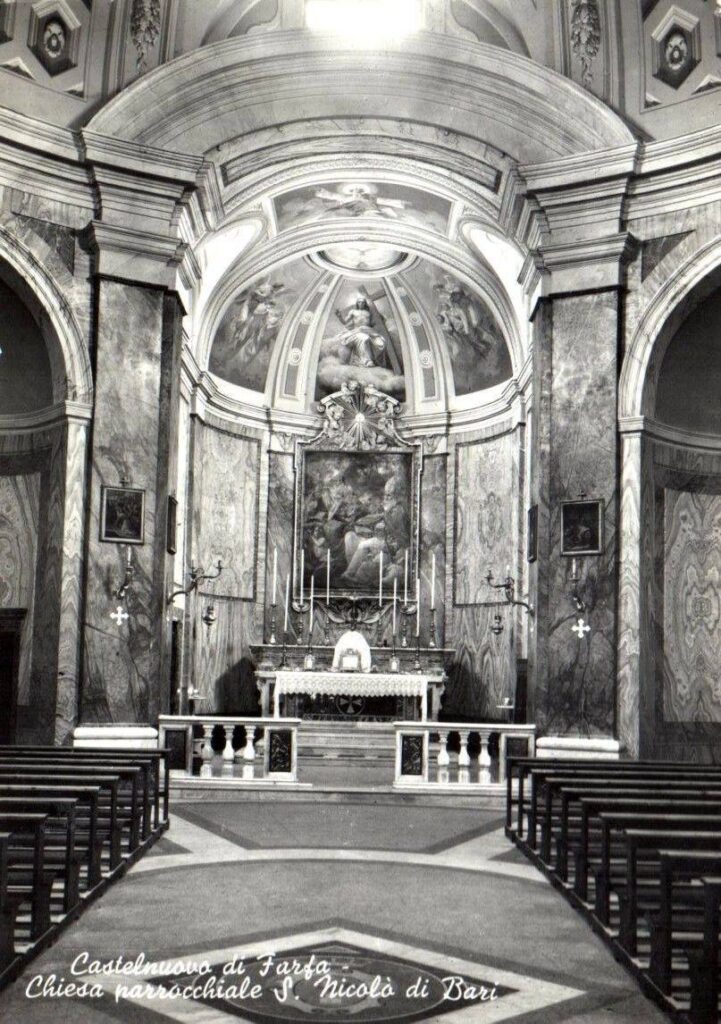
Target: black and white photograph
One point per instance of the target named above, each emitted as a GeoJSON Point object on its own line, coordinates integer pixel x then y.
{"type": "Point", "coordinates": [360, 511]}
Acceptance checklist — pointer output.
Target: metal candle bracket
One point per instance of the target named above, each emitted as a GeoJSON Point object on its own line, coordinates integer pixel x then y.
{"type": "Point", "coordinates": [508, 586]}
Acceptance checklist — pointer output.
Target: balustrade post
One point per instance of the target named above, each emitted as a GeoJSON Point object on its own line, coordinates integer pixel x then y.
{"type": "Point", "coordinates": [484, 760]}
{"type": "Point", "coordinates": [444, 759]}
{"type": "Point", "coordinates": [206, 750]}
{"type": "Point", "coordinates": [502, 754]}
{"type": "Point", "coordinates": [247, 753]}
{"type": "Point", "coordinates": [464, 758]}
{"type": "Point", "coordinates": [228, 752]}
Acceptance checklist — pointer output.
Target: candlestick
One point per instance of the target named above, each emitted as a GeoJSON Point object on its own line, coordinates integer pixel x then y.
{"type": "Point", "coordinates": [327, 579]}
{"type": "Point", "coordinates": [405, 579]}
{"type": "Point", "coordinates": [312, 599]}
{"type": "Point", "coordinates": [302, 574]}
{"type": "Point", "coordinates": [418, 606]}
{"type": "Point", "coordinates": [380, 582]}
{"type": "Point", "coordinates": [395, 595]}
{"type": "Point", "coordinates": [433, 582]}
{"type": "Point", "coordinates": [287, 603]}
{"type": "Point", "coordinates": [275, 575]}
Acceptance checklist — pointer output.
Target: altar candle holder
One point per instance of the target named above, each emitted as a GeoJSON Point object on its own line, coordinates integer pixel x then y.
{"type": "Point", "coordinates": [273, 623]}
{"type": "Point", "coordinates": [432, 639]}
{"type": "Point", "coordinates": [407, 611]}
{"type": "Point", "coordinates": [326, 627]}
{"type": "Point", "coordinates": [418, 667]}
{"type": "Point", "coordinates": [284, 651]}
{"type": "Point", "coordinates": [309, 661]}
{"type": "Point", "coordinates": [300, 607]}
{"type": "Point", "coordinates": [395, 665]}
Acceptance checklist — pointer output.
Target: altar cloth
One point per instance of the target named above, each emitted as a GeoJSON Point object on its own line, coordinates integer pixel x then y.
{"type": "Point", "coordinates": [354, 684]}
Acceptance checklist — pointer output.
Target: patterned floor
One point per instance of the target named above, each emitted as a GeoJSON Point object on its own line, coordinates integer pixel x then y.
{"type": "Point", "coordinates": [329, 912]}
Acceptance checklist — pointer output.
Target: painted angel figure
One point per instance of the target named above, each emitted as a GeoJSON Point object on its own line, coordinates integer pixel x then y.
{"type": "Point", "coordinates": [363, 341]}
{"type": "Point", "coordinates": [359, 199]}
{"type": "Point", "coordinates": [258, 319]}
{"type": "Point", "coordinates": [460, 315]}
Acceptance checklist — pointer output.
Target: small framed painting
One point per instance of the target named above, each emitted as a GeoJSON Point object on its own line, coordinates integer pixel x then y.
{"type": "Point", "coordinates": [581, 527]}
{"type": "Point", "coordinates": [532, 542]}
{"type": "Point", "coordinates": [122, 515]}
{"type": "Point", "coordinates": [171, 525]}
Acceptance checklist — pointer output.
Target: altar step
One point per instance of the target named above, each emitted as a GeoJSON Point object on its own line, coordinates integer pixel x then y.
{"type": "Point", "coordinates": [364, 745]}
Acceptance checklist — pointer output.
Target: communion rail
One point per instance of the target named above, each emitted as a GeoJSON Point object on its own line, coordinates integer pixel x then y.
{"type": "Point", "coordinates": [420, 763]}
{"type": "Point", "coordinates": [190, 737]}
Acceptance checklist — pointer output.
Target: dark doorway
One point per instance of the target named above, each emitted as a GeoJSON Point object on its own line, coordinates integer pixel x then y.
{"type": "Point", "coordinates": [11, 624]}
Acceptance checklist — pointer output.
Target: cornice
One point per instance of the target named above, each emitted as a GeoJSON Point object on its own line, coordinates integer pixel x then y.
{"type": "Point", "coordinates": [40, 136]}
{"type": "Point", "coordinates": [584, 170]}
{"type": "Point", "coordinates": [634, 425]}
{"type": "Point", "coordinates": [670, 154]}
{"type": "Point", "coordinates": [60, 413]}
{"type": "Point", "coordinates": [149, 161]}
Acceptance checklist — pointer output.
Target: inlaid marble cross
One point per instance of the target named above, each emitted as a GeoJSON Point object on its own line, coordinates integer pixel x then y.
{"type": "Point", "coordinates": [580, 628]}
{"type": "Point", "coordinates": [120, 615]}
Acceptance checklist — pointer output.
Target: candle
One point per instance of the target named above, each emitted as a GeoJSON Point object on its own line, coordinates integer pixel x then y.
{"type": "Point", "coordinates": [127, 554]}
{"type": "Point", "coordinates": [327, 579]}
{"type": "Point", "coordinates": [508, 572]}
{"type": "Point", "coordinates": [312, 599]}
{"type": "Point", "coordinates": [380, 582]}
{"type": "Point", "coordinates": [574, 574]}
{"type": "Point", "coordinates": [287, 602]}
{"type": "Point", "coordinates": [418, 606]}
{"type": "Point", "coordinates": [395, 596]}
{"type": "Point", "coordinates": [405, 580]}
{"type": "Point", "coordinates": [433, 581]}
{"type": "Point", "coordinates": [275, 576]}
{"type": "Point", "coordinates": [302, 573]}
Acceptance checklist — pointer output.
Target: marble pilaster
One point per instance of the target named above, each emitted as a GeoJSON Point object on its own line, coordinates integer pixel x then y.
{"type": "Point", "coordinates": [576, 340]}
{"type": "Point", "coordinates": [136, 403]}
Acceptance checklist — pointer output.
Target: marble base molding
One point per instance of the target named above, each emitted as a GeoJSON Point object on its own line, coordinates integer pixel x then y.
{"type": "Point", "coordinates": [582, 747]}
{"type": "Point", "coordinates": [116, 737]}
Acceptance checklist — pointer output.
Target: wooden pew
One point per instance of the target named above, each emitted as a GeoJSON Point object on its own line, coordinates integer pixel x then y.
{"type": "Point", "coordinates": [158, 760]}
{"type": "Point", "coordinates": [61, 855]}
{"type": "Point", "coordinates": [31, 881]}
{"type": "Point", "coordinates": [575, 835]}
{"type": "Point", "coordinates": [551, 784]}
{"type": "Point", "coordinates": [703, 961]}
{"type": "Point", "coordinates": [9, 904]}
{"type": "Point", "coordinates": [128, 795]}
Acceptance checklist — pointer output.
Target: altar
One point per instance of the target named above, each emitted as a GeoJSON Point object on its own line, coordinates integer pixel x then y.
{"type": "Point", "coordinates": [275, 686]}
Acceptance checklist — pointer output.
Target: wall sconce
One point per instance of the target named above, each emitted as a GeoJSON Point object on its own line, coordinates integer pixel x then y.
{"type": "Point", "coordinates": [196, 576]}
{"type": "Point", "coordinates": [508, 586]}
{"type": "Point", "coordinates": [575, 580]}
{"type": "Point", "coordinates": [209, 617]}
{"type": "Point", "coordinates": [121, 591]}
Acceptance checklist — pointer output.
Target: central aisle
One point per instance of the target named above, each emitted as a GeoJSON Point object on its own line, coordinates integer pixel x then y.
{"type": "Point", "coordinates": [395, 887]}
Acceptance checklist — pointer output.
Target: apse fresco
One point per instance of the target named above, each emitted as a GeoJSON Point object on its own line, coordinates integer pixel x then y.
{"type": "Point", "coordinates": [478, 352]}
{"type": "Point", "coordinates": [360, 199]}
{"type": "Point", "coordinates": [361, 343]}
{"type": "Point", "coordinates": [244, 341]}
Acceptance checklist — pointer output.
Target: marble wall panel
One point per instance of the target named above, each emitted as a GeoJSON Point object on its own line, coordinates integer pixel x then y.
{"type": "Point", "coordinates": [577, 452]}
{"type": "Point", "coordinates": [281, 497]}
{"type": "Point", "coordinates": [225, 512]}
{"type": "Point", "coordinates": [485, 502]}
{"type": "Point", "coordinates": [692, 607]}
{"type": "Point", "coordinates": [19, 514]}
{"type": "Point", "coordinates": [483, 533]}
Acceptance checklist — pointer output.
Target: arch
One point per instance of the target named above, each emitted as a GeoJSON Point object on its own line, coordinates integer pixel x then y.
{"type": "Point", "coordinates": [679, 294]}
{"type": "Point", "coordinates": [69, 359]}
{"type": "Point", "coordinates": [278, 78]}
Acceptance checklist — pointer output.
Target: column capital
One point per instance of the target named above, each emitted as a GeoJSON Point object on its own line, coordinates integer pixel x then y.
{"type": "Point", "coordinates": [585, 265]}
{"type": "Point", "coordinates": [136, 256]}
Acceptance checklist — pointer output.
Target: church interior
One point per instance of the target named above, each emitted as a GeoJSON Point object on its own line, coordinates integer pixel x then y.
{"type": "Point", "coordinates": [360, 488]}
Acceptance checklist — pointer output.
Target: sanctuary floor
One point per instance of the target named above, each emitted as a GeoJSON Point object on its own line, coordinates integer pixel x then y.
{"type": "Point", "coordinates": [384, 886]}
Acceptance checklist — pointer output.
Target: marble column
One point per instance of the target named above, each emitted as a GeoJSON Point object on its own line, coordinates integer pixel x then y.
{"type": "Point", "coordinates": [572, 679]}
{"type": "Point", "coordinates": [126, 660]}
